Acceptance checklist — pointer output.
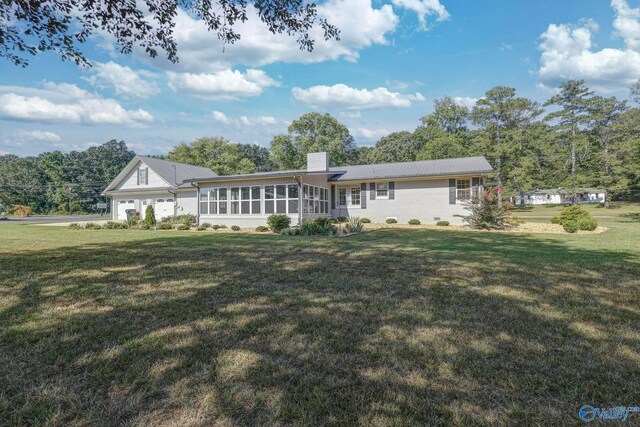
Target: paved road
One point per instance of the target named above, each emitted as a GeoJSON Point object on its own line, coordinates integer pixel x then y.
{"type": "Point", "coordinates": [53, 219]}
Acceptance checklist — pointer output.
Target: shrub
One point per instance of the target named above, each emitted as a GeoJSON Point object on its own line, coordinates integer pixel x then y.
{"type": "Point", "coordinates": [391, 221]}
{"type": "Point", "coordinates": [354, 225]}
{"type": "Point", "coordinates": [75, 226]}
{"type": "Point", "coordinates": [570, 226]}
{"type": "Point", "coordinates": [21, 210]}
{"type": "Point", "coordinates": [414, 221]}
{"type": "Point", "coordinates": [365, 220]}
{"type": "Point", "coordinates": [442, 223]}
{"type": "Point", "coordinates": [341, 219]}
{"type": "Point", "coordinates": [144, 226]}
{"type": "Point", "coordinates": [92, 226]}
{"type": "Point", "coordinates": [133, 221]}
{"type": "Point", "coordinates": [223, 226]}
{"type": "Point", "coordinates": [215, 226]}
{"type": "Point", "coordinates": [183, 227]}
{"type": "Point", "coordinates": [587, 224]}
{"type": "Point", "coordinates": [555, 220]}
{"type": "Point", "coordinates": [202, 227]}
{"type": "Point", "coordinates": [485, 213]}
{"type": "Point", "coordinates": [162, 226]}
{"type": "Point", "coordinates": [166, 219]}
{"type": "Point", "coordinates": [186, 219]}
{"type": "Point", "coordinates": [327, 229]}
{"type": "Point", "coordinates": [290, 231]}
{"type": "Point", "coordinates": [308, 227]}
{"type": "Point", "coordinates": [515, 221]}
{"type": "Point", "coordinates": [115, 225]}
{"type": "Point", "coordinates": [570, 214]}
{"type": "Point", "coordinates": [278, 222]}
{"type": "Point", "coordinates": [235, 227]}
{"type": "Point", "coordinates": [262, 229]}
{"type": "Point", "coordinates": [149, 216]}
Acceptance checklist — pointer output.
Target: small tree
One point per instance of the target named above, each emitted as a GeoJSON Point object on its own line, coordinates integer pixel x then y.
{"type": "Point", "coordinates": [150, 216]}
{"type": "Point", "coordinates": [486, 211]}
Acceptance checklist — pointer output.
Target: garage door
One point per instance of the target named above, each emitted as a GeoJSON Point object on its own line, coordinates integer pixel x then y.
{"type": "Point", "coordinates": [163, 208]}
{"type": "Point", "coordinates": [123, 205]}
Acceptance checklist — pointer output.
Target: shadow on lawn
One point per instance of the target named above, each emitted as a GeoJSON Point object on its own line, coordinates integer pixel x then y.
{"type": "Point", "coordinates": [393, 327]}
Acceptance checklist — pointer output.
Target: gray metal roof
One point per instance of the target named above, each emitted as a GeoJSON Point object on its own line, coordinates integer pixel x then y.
{"type": "Point", "coordinates": [259, 175]}
{"type": "Point", "coordinates": [458, 166]}
{"type": "Point", "coordinates": [183, 172]}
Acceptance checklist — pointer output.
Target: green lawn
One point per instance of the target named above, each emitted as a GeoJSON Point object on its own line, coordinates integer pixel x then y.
{"type": "Point", "coordinates": [617, 209]}
{"type": "Point", "coordinates": [392, 327]}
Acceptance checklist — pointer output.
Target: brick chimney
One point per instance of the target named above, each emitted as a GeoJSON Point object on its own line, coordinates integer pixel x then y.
{"type": "Point", "coordinates": [317, 162]}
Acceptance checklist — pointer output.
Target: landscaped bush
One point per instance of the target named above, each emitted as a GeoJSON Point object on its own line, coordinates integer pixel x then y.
{"type": "Point", "coordinates": [235, 227]}
{"type": "Point", "coordinates": [574, 218]}
{"type": "Point", "coordinates": [144, 226]}
{"type": "Point", "coordinates": [262, 229]}
{"type": "Point", "coordinates": [587, 224]}
{"type": "Point", "coordinates": [75, 226]}
{"type": "Point", "coordinates": [365, 220]}
{"type": "Point", "coordinates": [570, 226]}
{"type": "Point", "coordinates": [341, 219]}
{"type": "Point", "coordinates": [186, 219]}
{"type": "Point", "coordinates": [308, 227]}
{"type": "Point", "coordinates": [163, 226]}
{"type": "Point", "coordinates": [202, 227]}
{"type": "Point", "coordinates": [442, 223]}
{"type": "Point", "coordinates": [485, 213]}
{"type": "Point", "coordinates": [92, 226]}
{"type": "Point", "coordinates": [114, 225]}
{"type": "Point", "coordinates": [133, 221]}
{"type": "Point", "coordinates": [21, 210]}
{"type": "Point", "coordinates": [290, 231]}
{"type": "Point", "coordinates": [150, 216]}
{"type": "Point", "coordinates": [515, 221]}
{"type": "Point", "coordinates": [391, 221]}
{"type": "Point", "coordinates": [354, 225]}
{"type": "Point", "coordinates": [414, 221]}
{"type": "Point", "coordinates": [183, 227]}
{"type": "Point", "coordinates": [278, 222]}
{"type": "Point", "coordinates": [318, 226]}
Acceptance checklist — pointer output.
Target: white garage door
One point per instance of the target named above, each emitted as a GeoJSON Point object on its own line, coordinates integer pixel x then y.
{"type": "Point", "coordinates": [123, 205]}
{"type": "Point", "coordinates": [163, 208]}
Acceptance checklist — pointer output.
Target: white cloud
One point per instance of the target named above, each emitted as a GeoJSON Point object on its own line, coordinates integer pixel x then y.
{"type": "Point", "coordinates": [567, 53]}
{"type": "Point", "coordinates": [220, 117]}
{"type": "Point", "coordinates": [200, 51]}
{"type": "Point", "coordinates": [260, 120]}
{"type": "Point", "coordinates": [369, 134]}
{"type": "Point", "coordinates": [222, 85]}
{"type": "Point", "coordinates": [465, 101]}
{"type": "Point", "coordinates": [37, 135]}
{"type": "Point", "coordinates": [424, 8]}
{"type": "Point", "coordinates": [123, 79]}
{"type": "Point", "coordinates": [343, 96]}
{"type": "Point", "coordinates": [65, 103]}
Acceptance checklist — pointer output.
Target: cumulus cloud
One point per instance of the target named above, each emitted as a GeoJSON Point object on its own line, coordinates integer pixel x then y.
{"type": "Point", "coordinates": [343, 96]}
{"type": "Point", "coordinates": [123, 79]}
{"type": "Point", "coordinates": [221, 85]}
{"type": "Point", "coordinates": [222, 118]}
{"type": "Point", "coordinates": [200, 51]}
{"type": "Point", "coordinates": [37, 135]}
{"type": "Point", "coordinates": [368, 134]}
{"type": "Point", "coordinates": [568, 53]}
{"type": "Point", "coordinates": [424, 9]}
{"type": "Point", "coordinates": [465, 101]}
{"type": "Point", "coordinates": [65, 103]}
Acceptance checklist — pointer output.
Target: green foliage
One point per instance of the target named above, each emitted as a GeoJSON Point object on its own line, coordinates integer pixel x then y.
{"type": "Point", "coordinates": [341, 219]}
{"type": "Point", "coordinates": [262, 229]}
{"type": "Point", "coordinates": [216, 153]}
{"type": "Point", "coordinates": [395, 147]}
{"type": "Point", "coordinates": [115, 225]}
{"type": "Point", "coordinates": [21, 210]}
{"type": "Point", "coordinates": [414, 221]}
{"type": "Point", "coordinates": [93, 226]}
{"type": "Point", "coordinates": [187, 219]}
{"type": "Point", "coordinates": [149, 216]}
{"type": "Point", "coordinates": [144, 226]}
{"type": "Point", "coordinates": [216, 226]}
{"type": "Point", "coordinates": [133, 221]}
{"type": "Point", "coordinates": [391, 221]}
{"type": "Point", "coordinates": [442, 223]}
{"type": "Point", "coordinates": [318, 226]}
{"type": "Point", "coordinates": [202, 227]}
{"type": "Point", "coordinates": [570, 226]}
{"type": "Point", "coordinates": [278, 222]}
{"type": "Point", "coordinates": [570, 214]}
{"type": "Point", "coordinates": [235, 227]}
{"type": "Point", "coordinates": [486, 213]}
{"type": "Point", "coordinates": [183, 227]}
{"type": "Point", "coordinates": [587, 224]}
{"type": "Point", "coordinates": [162, 226]}
{"type": "Point", "coordinates": [515, 221]}
{"type": "Point", "coordinates": [365, 220]}
{"type": "Point", "coordinates": [74, 226]}
{"type": "Point", "coordinates": [290, 231]}
{"type": "Point", "coordinates": [354, 226]}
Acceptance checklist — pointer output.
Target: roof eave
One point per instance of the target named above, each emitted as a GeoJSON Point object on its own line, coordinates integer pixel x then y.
{"type": "Point", "coordinates": [482, 172]}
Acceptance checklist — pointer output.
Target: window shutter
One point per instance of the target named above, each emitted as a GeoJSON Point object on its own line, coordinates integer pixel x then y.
{"type": "Point", "coordinates": [137, 176]}
{"type": "Point", "coordinates": [372, 190]}
{"type": "Point", "coordinates": [363, 195]}
{"type": "Point", "coordinates": [333, 197]}
{"type": "Point", "coordinates": [452, 191]}
{"type": "Point", "coordinates": [146, 176]}
{"type": "Point", "coordinates": [475, 182]}
{"type": "Point", "coordinates": [392, 190]}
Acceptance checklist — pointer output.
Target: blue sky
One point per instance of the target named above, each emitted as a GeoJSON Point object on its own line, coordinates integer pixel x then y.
{"type": "Point", "coordinates": [382, 76]}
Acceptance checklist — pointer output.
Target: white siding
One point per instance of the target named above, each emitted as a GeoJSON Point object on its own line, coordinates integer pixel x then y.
{"type": "Point", "coordinates": [426, 200]}
{"type": "Point", "coordinates": [130, 182]}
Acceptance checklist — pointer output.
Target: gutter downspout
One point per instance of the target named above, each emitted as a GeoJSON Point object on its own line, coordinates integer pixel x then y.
{"type": "Point", "coordinates": [175, 201]}
{"type": "Point", "coordinates": [298, 179]}
{"type": "Point", "coordinates": [197, 202]}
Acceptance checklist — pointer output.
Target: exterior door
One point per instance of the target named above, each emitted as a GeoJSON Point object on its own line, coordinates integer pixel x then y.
{"type": "Point", "coordinates": [123, 205]}
{"type": "Point", "coordinates": [163, 208]}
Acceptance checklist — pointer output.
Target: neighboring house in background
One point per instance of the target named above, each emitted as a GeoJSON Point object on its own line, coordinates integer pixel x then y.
{"type": "Point", "coordinates": [429, 190]}
{"type": "Point", "coordinates": [560, 196]}
{"type": "Point", "coordinates": [148, 181]}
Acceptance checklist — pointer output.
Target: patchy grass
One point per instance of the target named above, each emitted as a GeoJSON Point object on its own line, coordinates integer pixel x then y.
{"type": "Point", "coordinates": [429, 327]}
{"type": "Point", "coordinates": [617, 209]}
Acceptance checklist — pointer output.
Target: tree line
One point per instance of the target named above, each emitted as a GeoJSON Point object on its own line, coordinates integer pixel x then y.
{"type": "Point", "coordinates": [574, 140]}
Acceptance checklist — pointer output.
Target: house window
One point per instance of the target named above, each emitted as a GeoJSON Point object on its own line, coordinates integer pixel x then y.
{"type": "Point", "coordinates": [213, 201]}
{"type": "Point", "coordinates": [204, 203]}
{"type": "Point", "coordinates": [315, 200]}
{"type": "Point", "coordinates": [382, 190]}
{"type": "Point", "coordinates": [255, 199]}
{"type": "Point", "coordinates": [463, 189]}
{"type": "Point", "coordinates": [142, 176]}
{"type": "Point", "coordinates": [235, 200]}
{"type": "Point", "coordinates": [349, 196]}
{"type": "Point", "coordinates": [269, 195]}
{"type": "Point", "coordinates": [222, 201]}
